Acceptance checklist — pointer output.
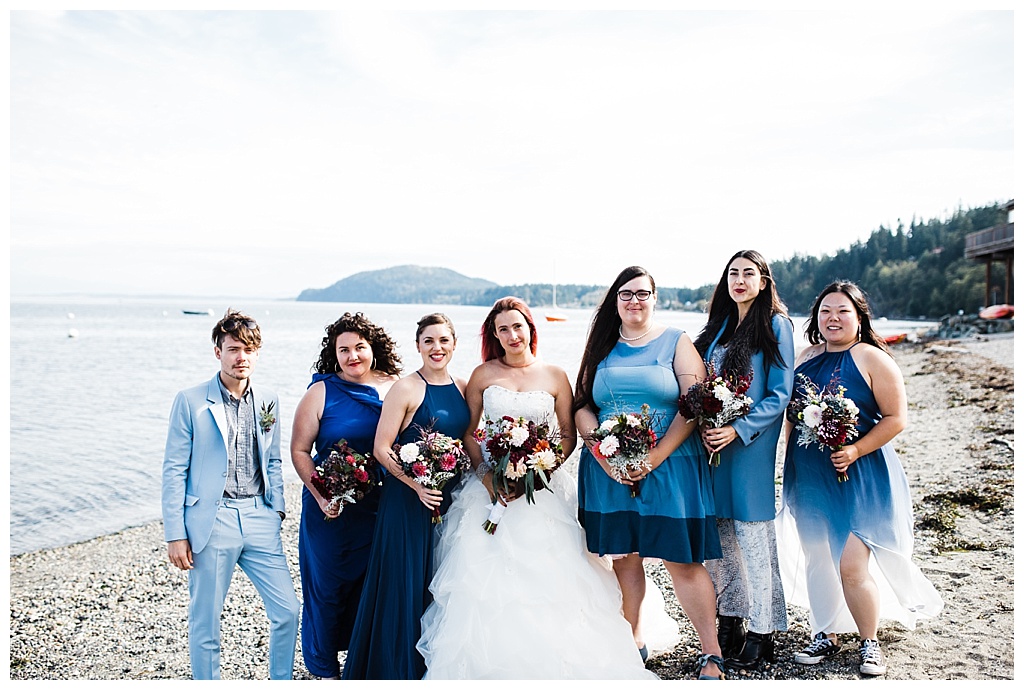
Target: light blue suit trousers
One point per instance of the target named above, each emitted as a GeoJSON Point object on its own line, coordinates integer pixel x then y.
{"type": "Point", "coordinates": [246, 532]}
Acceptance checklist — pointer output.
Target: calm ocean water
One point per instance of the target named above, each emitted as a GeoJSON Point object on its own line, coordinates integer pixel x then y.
{"type": "Point", "coordinates": [89, 413]}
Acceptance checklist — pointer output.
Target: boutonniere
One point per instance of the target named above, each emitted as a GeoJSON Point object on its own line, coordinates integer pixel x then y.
{"type": "Point", "coordinates": [267, 418]}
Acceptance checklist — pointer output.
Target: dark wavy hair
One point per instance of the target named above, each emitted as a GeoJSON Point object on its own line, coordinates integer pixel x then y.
{"type": "Point", "coordinates": [604, 333]}
{"type": "Point", "coordinates": [435, 319]}
{"type": "Point", "coordinates": [755, 333]}
{"type": "Point", "coordinates": [385, 356]}
{"type": "Point", "coordinates": [860, 305]}
{"type": "Point", "coordinates": [490, 346]}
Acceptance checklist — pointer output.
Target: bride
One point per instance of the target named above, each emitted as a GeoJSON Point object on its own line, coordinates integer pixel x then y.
{"type": "Point", "coordinates": [528, 601]}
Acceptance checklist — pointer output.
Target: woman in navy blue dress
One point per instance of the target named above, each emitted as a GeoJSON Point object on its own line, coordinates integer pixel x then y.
{"type": "Point", "coordinates": [856, 537]}
{"type": "Point", "coordinates": [748, 334]}
{"type": "Point", "coordinates": [396, 592]}
{"type": "Point", "coordinates": [357, 366]}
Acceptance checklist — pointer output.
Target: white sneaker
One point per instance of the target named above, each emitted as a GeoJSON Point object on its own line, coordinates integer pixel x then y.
{"type": "Point", "coordinates": [872, 661]}
{"type": "Point", "coordinates": [820, 648]}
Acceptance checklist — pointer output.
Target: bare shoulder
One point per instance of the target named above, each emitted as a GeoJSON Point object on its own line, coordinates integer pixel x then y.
{"type": "Point", "coordinates": [875, 360]}
{"type": "Point", "coordinates": [809, 353]}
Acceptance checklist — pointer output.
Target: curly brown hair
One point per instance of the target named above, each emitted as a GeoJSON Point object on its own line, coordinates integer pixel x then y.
{"type": "Point", "coordinates": [386, 358]}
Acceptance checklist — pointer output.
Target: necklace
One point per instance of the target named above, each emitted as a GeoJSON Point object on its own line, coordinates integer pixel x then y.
{"type": "Point", "coordinates": [629, 340]}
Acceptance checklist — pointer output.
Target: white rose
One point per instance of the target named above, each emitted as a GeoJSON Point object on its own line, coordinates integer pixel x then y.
{"type": "Point", "coordinates": [609, 447]}
{"type": "Point", "coordinates": [812, 416]}
{"type": "Point", "coordinates": [632, 420]}
{"type": "Point", "coordinates": [608, 425]}
{"type": "Point", "coordinates": [409, 453]}
{"type": "Point", "coordinates": [520, 435]}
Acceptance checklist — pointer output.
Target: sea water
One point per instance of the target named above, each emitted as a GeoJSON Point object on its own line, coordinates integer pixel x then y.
{"type": "Point", "coordinates": [92, 380]}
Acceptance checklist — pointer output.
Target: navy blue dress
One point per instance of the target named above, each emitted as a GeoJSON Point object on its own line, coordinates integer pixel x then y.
{"type": "Point", "coordinates": [396, 593]}
{"type": "Point", "coordinates": [333, 554]}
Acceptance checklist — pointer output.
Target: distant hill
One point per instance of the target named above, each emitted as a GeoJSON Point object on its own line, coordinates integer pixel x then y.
{"type": "Point", "coordinates": [403, 285]}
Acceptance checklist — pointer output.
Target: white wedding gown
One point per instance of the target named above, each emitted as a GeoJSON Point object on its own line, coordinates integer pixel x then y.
{"type": "Point", "coordinates": [529, 601]}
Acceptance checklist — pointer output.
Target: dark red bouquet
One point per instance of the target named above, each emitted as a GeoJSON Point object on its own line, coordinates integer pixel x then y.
{"type": "Point", "coordinates": [344, 476]}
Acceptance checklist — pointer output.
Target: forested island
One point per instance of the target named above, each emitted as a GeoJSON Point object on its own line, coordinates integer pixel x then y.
{"type": "Point", "coordinates": [918, 271]}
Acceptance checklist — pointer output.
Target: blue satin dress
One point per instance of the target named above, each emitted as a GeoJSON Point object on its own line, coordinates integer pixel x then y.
{"type": "Point", "coordinates": [673, 518]}
{"type": "Point", "coordinates": [396, 592]}
{"type": "Point", "coordinates": [874, 505]}
{"type": "Point", "coordinates": [333, 554]}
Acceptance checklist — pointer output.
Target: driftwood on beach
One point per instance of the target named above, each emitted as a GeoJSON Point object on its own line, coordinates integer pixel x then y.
{"type": "Point", "coordinates": [114, 608]}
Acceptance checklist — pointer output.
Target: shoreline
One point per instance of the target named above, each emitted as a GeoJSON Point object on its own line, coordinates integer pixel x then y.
{"type": "Point", "coordinates": [114, 608]}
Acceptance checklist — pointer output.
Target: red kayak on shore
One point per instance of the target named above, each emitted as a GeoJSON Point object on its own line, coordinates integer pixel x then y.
{"type": "Point", "coordinates": [895, 339]}
{"type": "Point", "coordinates": [997, 311]}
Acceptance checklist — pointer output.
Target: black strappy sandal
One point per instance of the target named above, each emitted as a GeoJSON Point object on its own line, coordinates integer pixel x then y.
{"type": "Point", "coordinates": [704, 659]}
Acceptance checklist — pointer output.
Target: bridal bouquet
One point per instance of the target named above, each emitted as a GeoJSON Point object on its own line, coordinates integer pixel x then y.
{"type": "Point", "coordinates": [825, 417]}
{"type": "Point", "coordinates": [345, 476]}
{"type": "Point", "coordinates": [716, 401]}
{"type": "Point", "coordinates": [625, 441]}
{"type": "Point", "coordinates": [433, 461]}
{"type": "Point", "coordinates": [524, 454]}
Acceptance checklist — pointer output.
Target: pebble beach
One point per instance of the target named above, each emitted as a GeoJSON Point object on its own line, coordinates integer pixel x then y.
{"type": "Point", "coordinates": [113, 608]}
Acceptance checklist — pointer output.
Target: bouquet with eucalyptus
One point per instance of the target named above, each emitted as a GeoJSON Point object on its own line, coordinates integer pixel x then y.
{"type": "Point", "coordinates": [344, 476]}
{"type": "Point", "coordinates": [524, 455]}
{"type": "Point", "coordinates": [824, 416]}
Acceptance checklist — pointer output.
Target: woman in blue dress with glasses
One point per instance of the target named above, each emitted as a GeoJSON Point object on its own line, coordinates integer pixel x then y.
{"type": "Point", "coordinates": [631, 360]}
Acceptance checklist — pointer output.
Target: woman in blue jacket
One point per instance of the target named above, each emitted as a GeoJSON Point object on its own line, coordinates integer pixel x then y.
{"type": "Point", "coordinates": [748, 333]}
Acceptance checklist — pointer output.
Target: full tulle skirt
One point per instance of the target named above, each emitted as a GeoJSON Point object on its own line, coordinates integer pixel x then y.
{"type": "Point", "coordinates": [530, 601]}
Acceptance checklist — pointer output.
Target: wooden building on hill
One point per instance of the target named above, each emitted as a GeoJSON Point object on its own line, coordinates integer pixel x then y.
{"type": "Point", "coordinates": [994, 244]}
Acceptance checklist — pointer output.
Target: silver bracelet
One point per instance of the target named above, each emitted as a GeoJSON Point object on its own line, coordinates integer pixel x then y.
{"type": "Point", "coordinates": [482, 469]}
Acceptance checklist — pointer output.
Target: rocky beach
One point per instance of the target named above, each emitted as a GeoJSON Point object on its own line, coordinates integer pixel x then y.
{"type": "Point", "coordinates": [113, 608]}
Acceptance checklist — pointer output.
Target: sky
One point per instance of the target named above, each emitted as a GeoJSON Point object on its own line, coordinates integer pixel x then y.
{"type": "Point", "coordinates": [261, 153]}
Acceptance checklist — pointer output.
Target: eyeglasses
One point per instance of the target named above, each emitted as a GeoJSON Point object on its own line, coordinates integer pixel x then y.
{"type": "Point", "coordinates": [642, 295]}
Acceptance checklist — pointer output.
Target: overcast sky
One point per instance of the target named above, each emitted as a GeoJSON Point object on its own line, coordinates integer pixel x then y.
{"type": "Point", "coordinates": [258, 154]}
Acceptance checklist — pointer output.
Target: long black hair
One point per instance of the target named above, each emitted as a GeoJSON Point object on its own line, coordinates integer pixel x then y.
{"type": "Point", "coordinates": [604, 333]}
{"type": "Point", "coordinates": [754, 333]}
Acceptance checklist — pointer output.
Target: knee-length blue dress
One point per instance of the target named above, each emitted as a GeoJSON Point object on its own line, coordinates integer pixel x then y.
{"type": "Point", "coordinates": [874, 505]}
{"type": "Point", "coordinates": [673, 518]}
{"type": "Point", "coordinates": [333, 553]}
{"type": "Point", "coordinates": [396, 592]}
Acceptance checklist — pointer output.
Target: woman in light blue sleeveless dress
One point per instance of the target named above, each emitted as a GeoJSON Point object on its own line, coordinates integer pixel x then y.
{"type": "Point", "coordinates": [630, 360]}
{"type": "Point", "coordinates": [856, 538]}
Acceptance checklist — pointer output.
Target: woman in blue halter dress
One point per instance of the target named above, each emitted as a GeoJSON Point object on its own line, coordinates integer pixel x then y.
{"type": "Point", "coordinates": [396, 592]}
{"type": "Point", "coordinates": [357, 366]}
{"type": "Point", "coordinates": [853, 561]}
{"type": "Point", "coordinates": [630, 360]}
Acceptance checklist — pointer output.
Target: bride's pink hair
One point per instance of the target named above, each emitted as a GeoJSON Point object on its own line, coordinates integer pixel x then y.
{"type": "Point", "coordinates": [490, 347]}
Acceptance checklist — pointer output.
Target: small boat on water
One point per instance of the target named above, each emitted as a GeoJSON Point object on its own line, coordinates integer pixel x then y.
{"type": "Point", "coordinates": [895, 339]}
{"type": "Point", "coordinates": [554, 315]}
{"type": "Point", "coordinates": [997, 311]}
{"type": "Point", "coordinates": [193, 312]}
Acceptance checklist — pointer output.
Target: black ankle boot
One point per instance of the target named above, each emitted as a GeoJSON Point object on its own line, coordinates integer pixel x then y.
{"type": "Point", "coordinates": [756, 647]}
{"type": "Point", "coordinates": [730, 635]}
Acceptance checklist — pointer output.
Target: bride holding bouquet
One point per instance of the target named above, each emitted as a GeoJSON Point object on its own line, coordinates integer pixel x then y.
{"type": "Point", "coordinates": [527, 601]}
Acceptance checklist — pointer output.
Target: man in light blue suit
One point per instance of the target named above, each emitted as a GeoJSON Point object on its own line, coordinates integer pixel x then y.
{"type": "Point", "coordinates": [223, 499]}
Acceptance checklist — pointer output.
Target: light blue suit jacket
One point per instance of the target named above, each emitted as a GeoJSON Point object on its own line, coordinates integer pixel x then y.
{"type": "Point", "coordinates": [196, 461]}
